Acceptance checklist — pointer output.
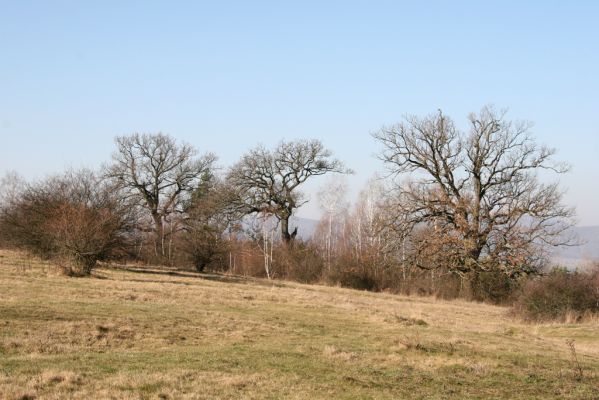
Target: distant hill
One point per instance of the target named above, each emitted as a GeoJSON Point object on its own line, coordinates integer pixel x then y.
{"type": "Point", "coordinates": [587, 251]}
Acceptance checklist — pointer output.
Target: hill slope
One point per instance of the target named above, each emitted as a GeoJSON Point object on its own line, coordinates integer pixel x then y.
{"type": "Point", "coordinates": [171, 335]}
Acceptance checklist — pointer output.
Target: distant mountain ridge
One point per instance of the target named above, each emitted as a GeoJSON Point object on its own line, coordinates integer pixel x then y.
{"type": "Point", "coordinates": [587, 251]}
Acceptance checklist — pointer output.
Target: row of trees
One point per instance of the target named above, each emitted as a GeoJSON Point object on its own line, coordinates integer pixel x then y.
{"type": "Point", "coordinates": [461, 203]}
{"type": "Point", "coordinates": [158, 197]}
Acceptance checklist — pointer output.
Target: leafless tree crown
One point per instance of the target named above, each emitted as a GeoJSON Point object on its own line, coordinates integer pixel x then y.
{"type": "Point", "coordinates": [159, 174]}
{"type": "Point", "coordinates": [478, 187]}
{"type": "Point", "coordinates": [268, 180]}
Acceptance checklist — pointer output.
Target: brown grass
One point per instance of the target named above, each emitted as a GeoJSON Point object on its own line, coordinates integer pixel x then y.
{"type": "Point", "coordinates": [163, 334]}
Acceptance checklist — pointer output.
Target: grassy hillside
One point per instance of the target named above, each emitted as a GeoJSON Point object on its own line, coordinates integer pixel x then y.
{"type": "Point", "coordinates": [170, 335]}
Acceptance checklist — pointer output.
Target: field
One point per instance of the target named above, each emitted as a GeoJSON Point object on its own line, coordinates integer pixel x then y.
{"type": "Point", "coordinates": [164, 334]}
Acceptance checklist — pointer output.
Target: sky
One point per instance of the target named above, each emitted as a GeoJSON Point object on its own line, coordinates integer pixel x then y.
{"type": "Point", "coordinates": [226, 76]}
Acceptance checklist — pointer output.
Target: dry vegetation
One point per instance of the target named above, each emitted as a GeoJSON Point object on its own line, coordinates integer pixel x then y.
{"type": "Point", "coordinates": [164, 334]}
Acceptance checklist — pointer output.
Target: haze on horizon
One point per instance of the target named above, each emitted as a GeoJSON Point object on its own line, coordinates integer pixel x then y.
{"type": "Point", "coordinates": [225, 77]}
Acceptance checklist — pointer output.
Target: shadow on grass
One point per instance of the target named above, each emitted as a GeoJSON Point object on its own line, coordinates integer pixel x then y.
{"type": "Point", "coordinates": [210, 276]}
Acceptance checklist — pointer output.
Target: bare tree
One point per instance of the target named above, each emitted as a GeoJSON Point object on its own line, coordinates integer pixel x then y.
{"type": "Point", "coordinates": [262, 232]}
{"type": "Point", "coordinates": [158, 174]}
{"type": "Point", "coordinates": [479, 190]}
{"type": "Point", "coordinates": [268, 181]}
{"type": "Point", "coordinates": [374, 241]}
{"type": "Point", "coordinates": [11, 186]}
{"type": "Point", "coordinates": [332, 200]}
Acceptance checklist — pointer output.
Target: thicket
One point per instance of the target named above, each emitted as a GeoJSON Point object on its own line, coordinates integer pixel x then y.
{"type": "Point", "coordinates": [562, 295]}
{"type": "Point", "coordinates": [74, 219]}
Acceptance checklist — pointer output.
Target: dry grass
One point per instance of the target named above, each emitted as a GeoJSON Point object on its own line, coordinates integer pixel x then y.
{"type": "Point", "coordinates": [167, 335]}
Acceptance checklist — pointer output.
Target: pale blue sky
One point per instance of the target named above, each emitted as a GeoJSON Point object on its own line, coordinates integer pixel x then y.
{"type": "Point", "coordinates": [227, 75]}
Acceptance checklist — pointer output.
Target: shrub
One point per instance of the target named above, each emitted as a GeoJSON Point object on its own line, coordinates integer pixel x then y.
{"type": "Point", "coordinates": [561, 295]}
{"type": "Point", "coordinates": [73, 219]}
{"type": "Point", "coordinates": [493, 286]}
{"type": "Point", "coordinates": [205, 249]}
{"type": "Point", "coordinates": [298, 262]}
{"type": "Point", "coordinates": [349, 274]}
{"type": "Point", "coordinates": [357, 279]}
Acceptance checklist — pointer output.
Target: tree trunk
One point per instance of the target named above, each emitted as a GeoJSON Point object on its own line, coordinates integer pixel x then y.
{"type": "Point", "coordinates": [285, 235]}
{"type": "Point", "coordinates": [159, 232]}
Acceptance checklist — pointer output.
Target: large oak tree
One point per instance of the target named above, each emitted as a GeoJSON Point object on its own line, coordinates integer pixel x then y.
{"type": "Point", "coordinates": [477, 190]}
{"type": "Point", "coordinates": [268, 181]}
{"type": "Point", "coordinates": [159, 174]}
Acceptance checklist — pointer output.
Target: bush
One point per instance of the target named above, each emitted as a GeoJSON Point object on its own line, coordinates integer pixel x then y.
{"type": "Point", "coordinates": [357, 279]}
{"type": "Point", "coordinates": [298, 262]}
{"type": "Point", "coordinates": [205, 249]}
{"type": "Point", "coordinates": [350, 275]}
{"type": "Point", "coordinates": [493, 286]}
{"type": "Point", "coordinates": [73, 219]}
{"type": "Point", "coordinates": [560, 296]}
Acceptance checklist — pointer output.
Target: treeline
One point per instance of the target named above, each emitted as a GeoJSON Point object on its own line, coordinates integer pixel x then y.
{"type": "Point", "coordinates": [462, 213]}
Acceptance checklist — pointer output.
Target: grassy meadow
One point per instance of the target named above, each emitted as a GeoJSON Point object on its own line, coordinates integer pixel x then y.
{"type": "Point", "coordinates": [127, 333]}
